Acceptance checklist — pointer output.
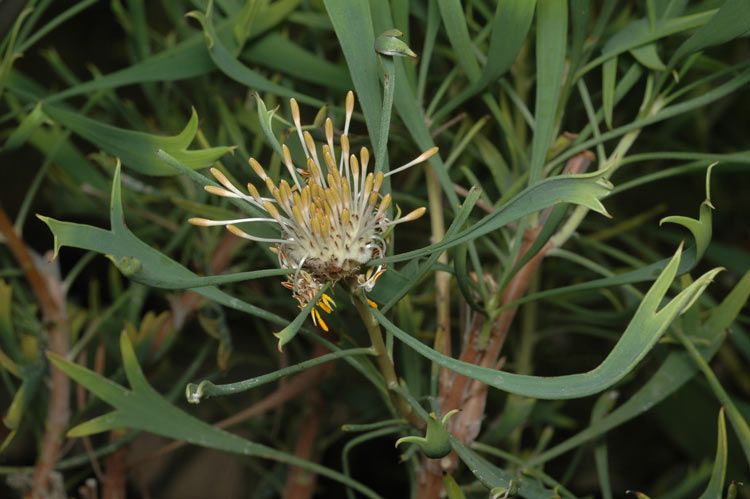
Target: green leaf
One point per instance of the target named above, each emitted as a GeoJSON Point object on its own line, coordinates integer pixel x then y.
{"type": "Point", "coordinates": [280, 53]}
{"type": "Point", "coordinates": [609, 80]}
{"type": "Point", "coordinates": [582, 189]}
{"type": "Point", "coordinates": [493, 477]}
{"type": "Point", "coordinates": [642, 333]}
{"type": "Point", "coordinates": [145, 264]}
{"type": "Point", "coordinates": [716, 483]}
{"type": "Point", "coordinates": [142, 408]}
{"type": "Point", "coordinates": [352, 22]}
{"type": "Point", "coordinates": [452, 12]}
{"type": "Point", "coordinates": [740, 80]}
{"type": "Point", "coordinates": [266, 123]}
{"type": "Point", "coordinates": [649, 57]}
{"type": "Point", "coordinates": [732, 20]}
{"type": "Point", "coordinates": [18, 406]}
{"type": "Point", "coordinates": [222, 57]}
{"type": "Point", "coordinates": [8, 338]}
{"type": "Point", "coordinates": [510, 27]}
{"type": "Point", "coordinates": [6, 63]}
{"type": "Point", "coordinates": [137, 150]}
{"type": "Point", "coordinates": [674, 372]}
{"type": "Point", "coordinates": [452, 489]}
{"type": "Point", "coordinates": [290, 330]}
{"type": "Point", "coordinates": [188, 59]}
{"type": "Point", "coordinates": [68, 157]}
{"type": "Point", "coordinates": [551, 44]}
{"type": "Point", "coordinates": [405, 100]}
{"type": "Point", "coordinates": [106, 422]}
{"type": "Point", "coordinates": [412, 276]}
{"type": "Point", "coordinates": [603, 405]}
{"type": "Point", "coordinates": [638, 33]}
{"type": "Point", "coordinates": [29, 124]}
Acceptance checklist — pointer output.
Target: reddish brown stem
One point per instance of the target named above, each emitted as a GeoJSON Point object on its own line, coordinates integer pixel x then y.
{"type": "Point", "coordinates": [50, 294]}
{"type": "Point", "coordinates": [300, 484]}
{"type": "Point", "coordinates": [460, 392]}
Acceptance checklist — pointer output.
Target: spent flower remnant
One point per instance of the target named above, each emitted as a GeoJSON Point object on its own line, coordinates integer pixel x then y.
{"type": "Point", "coordinates": [331, 215]}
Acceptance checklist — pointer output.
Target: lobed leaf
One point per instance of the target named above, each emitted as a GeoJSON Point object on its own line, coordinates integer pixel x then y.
{"type": "Point", "coordinates": [142, 408]}
{"type": "Point", "coordinates": [674, 372]}
{"type": "Point", "coordinates": [137, 150]}
{"type": "Point", "coordinates": [583, 189]}
{"type": "Point", "coordinates": [641, 334]}
{"type": "Point", "coordinates": [139, 261]}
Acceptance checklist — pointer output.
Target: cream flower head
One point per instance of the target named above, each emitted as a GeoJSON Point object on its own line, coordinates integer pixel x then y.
{"type": "Point", "coordinates": [331, 215]}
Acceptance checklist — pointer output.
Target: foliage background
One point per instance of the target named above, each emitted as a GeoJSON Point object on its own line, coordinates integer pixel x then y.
{"type": "Point", "coordinates": [300, 51]}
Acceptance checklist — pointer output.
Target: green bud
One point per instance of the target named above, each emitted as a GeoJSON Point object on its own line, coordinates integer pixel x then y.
{"type": "Point", "coordinates": [128, 265]}
{"type": "Point", "coordinates": [389, 43]}
{"type": "Point", "coordinates": [436, 443]}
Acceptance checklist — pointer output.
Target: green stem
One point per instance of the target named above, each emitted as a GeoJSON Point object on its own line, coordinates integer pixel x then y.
{"type": "Point", "coordinates": [384, 361]}
{"type": "Point", "coordinates": [735, 417]}
{"type": "Point", "coordinates": [389, 86]}
{"type": "Point", "coordinates": [206, 389]}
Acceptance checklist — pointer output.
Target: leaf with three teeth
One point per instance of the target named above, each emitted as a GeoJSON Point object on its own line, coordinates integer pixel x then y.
{"type": "Point", "coordinates": [137, 150]}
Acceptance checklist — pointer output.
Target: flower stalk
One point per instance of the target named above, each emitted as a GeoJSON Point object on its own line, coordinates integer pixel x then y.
{"type": "Point", "coordinates": [384, 361]}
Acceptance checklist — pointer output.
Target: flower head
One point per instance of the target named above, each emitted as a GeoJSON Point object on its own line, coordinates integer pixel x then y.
{"type": "Point", "coordinates": [331, 214]}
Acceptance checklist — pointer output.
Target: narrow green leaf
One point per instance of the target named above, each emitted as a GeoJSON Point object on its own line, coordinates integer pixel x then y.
{"type": "Point", "coordinates": [493, 477]}
{"type": "Point", "coordinates": [740, 80]}
{"type": "Point", "coordinates": [642, 333]}
{"type": "Point", "coordinates": [107, 390]}
{"type": "Point", "coordinates": [106, 422]}
{"type": "Point", "coordinates": [609, 80]}
{"type": "Point", "coordinates": [280, 53]}
{"type": "Point", "coordinates": [603, 405]}
{"type": "Point", "coordinates": [412, 277]}
{"type": "Point", "coordinates": [17, 407]}
{"type": "Point", "coordinates": [222, 57]}
{"type": "Point", "coordinates": [638, 33]}
{"type": "Point", "coordinates": [133, 371]}
{"type": "Point", "coordinates": [716, 483]}
{"type": "Point", "coordinates": [28, 125]}
{"type": "Point", "coordinates": [290, 330]}
{"type": "Point", "coordinates": [452, 489]}
{"type": "Point", "coordinates": [551, 44]}
{"type": "Point", "coordinates": [8, 338]}
{"type": "Point", "coordinates": [266, 123]}
{"type": "Point", "coordinates": [736, 418]}
{"type": "Point", "coordinates": [452, 12]}
{"type": "Point", "coordinates": [352, 22]}
{"type": "Point", "coordinates": [11, 54]}
{"type": "Point", "coordinates": [649, 57]}
{"type": "Point", "coordinates": [187, 59]}
{"type": "Point", "coordinates": [510, 27]}
{"type": "Point", "coordinates": [732, 20]}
